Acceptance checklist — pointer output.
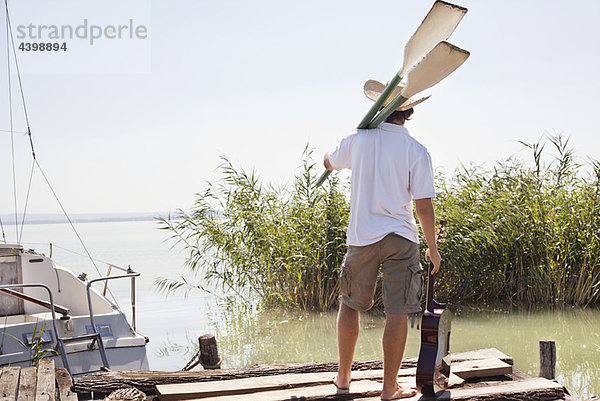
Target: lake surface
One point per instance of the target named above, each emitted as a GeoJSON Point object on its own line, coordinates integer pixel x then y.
{"type": "Point", "coordinates": [245, 337]}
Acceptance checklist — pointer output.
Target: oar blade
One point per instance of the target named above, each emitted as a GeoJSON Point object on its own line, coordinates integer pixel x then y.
{"type": "Point", "coordinates": [438, 25]}
{"type": "Point", "coordinates": [435, 66]}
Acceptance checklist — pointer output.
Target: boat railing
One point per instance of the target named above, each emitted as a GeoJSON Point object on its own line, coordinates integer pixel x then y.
{"type": "Point", "coordinates": [110, 267]}
{"type": "Point", "coordinates": [50, 306]}
{"type": "Point", "coordinates": [130, 274]}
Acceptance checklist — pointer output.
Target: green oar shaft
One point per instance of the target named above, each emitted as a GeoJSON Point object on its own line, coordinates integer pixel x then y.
{"type": "Point", "coordinates": [387, 110]}
{"type": "Point", "coordinates": [379, 102]}
{"type": "Point", "coordinates": [366, 121]}
{"type": "Point", "coordinates": [383, 114]}
{"type": "Point", "coordinates": [323, 177]}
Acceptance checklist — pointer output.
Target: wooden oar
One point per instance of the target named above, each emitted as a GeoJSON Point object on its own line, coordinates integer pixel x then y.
{"type": "Point", "coordinates": [438, 25]}
{"type": "Point", "coordinates": [435, 66]}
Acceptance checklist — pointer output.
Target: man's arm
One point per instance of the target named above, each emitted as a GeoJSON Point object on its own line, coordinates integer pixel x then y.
{"type": "Point", "coordinates": [326, 163]}
{"type": "Point", "coordinates": [426, 216]}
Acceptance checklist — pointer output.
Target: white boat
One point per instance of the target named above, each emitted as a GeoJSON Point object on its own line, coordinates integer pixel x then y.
{"type": "Point", "coordinates": [45, 307]}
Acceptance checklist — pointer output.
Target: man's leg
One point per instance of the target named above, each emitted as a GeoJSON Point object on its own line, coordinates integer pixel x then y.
{"type": "Point", "coordinates": [347, 331]}
{"type": "Point", "coordinates": [394, 342]}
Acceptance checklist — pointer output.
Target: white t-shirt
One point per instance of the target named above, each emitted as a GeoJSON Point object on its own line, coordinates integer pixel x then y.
{"type": "Point", "coordinates": [389, 169]}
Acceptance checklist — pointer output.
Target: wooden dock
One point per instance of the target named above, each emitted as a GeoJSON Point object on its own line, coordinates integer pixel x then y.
{"type": "Point", "coordinates": [46, 383]}
{"type": "Point", "coordinates": [477, 375]}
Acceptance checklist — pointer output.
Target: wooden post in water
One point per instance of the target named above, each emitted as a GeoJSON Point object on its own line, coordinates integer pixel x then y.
{"type": "Point", "coordinates": [209, 354]}
{"type": "Point", "coordinates": [547, 359]}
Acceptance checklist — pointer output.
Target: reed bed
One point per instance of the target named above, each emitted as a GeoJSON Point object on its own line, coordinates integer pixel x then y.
{"type": "Point", "coordinates": [282, 245]}
{"type": "Point", "coordinates": [522, 232]}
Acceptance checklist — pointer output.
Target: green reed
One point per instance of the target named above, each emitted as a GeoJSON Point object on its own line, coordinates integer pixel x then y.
{"type": "Point", "coordinates": [520, 233]}
{"type": "Point", "coordinates": [282, 244]}
{"type": "Point", "coordinates": [523, 233]}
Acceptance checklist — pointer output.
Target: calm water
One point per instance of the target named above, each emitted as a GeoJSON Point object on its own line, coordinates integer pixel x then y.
{"type": "Point", "coordinates": [245, 338]}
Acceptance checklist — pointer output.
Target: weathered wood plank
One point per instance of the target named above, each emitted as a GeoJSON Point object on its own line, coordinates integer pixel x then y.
{"type": "Point", "coordinates": [485, 353]}
{"type": "Point", "coordinates": [107, 382]}
{"type": "Point", "coordinates": [170, 392]}
{"type": "Point", "coordinates": [45, 388]}
{"type": "Point", "coordinates": [9, 384]}
{"type": "Point", "coordinates": [538, 389]}
{"type": "Point", "coordinates": [478, 368]}
{"type": "Point", "coordinates": [64, 381]}
{"type": "Point", "coordinates": [362, 388]}
{"type": "Point", "coordinates": [455, 381]}
{"type": "Point", "coordinates": [27, 383]}
{"type": "Point", "coordinates": [481, 368]}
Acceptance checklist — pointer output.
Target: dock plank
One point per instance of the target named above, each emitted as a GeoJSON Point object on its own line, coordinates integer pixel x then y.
{"type": "Point", "coordinates": [9, 384]}
{"type": "Point", "coordinates": [27, 383]}
{"type": "Point", "coordinates": [64, 381]}
{"type": "Point", "coordinates": [172, 392]}
{"type": "Point", "coordinates": [362, 388]}
{"type": "Point", "coordinates": [486, 353]}
{"type": "Point", "coordinates": [538, 389]}
{"type": "Point", "coordinates": [481, 368]}
{"type": "Point", "coordinates": [455, 381]}
{"type": "Point", "coordinates": [106, 382]}
{"type": "Point", "coordinates": [45, 388]}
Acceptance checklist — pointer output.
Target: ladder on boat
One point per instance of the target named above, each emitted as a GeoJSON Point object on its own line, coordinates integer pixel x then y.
{"type": "Point", "coordinates": [95, 338]}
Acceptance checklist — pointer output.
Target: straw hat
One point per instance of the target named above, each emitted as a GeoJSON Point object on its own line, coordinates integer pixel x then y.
{"type": "Point", "coordinates": [374, 88]}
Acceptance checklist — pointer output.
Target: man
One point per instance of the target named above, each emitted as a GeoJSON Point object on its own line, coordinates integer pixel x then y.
{"type": "Point", "coordinates": [389, 170]}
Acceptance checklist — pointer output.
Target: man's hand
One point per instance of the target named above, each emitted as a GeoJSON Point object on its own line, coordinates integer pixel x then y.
{"type": "Point", "coordinates": [435, 258]}
{"type": "Point", "coordinates": [326, 162]}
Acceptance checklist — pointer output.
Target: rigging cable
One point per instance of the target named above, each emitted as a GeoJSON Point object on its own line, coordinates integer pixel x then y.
{"type": "Point", "coordinates": [10, 41]}
{"type": "Point", "coordinates": [10, 116]}
{"type": "Point", "coordinates": [74, 253]}
{"type": "Point", "coordinates": [9, 131]}
{"type": "Point", "coordinates": [3, 234]}
{"type": "Point", "coordinates": [26, 202]}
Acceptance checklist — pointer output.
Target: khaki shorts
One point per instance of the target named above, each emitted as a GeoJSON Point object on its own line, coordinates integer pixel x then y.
{"type": "Point", "coordinates": [402, 275]}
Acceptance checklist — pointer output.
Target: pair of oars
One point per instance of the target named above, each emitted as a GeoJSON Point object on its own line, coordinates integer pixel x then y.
{"type": "Point", "coordinates": [428, 59]}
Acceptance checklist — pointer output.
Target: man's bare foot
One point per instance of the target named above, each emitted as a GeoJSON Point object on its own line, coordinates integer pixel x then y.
{"type": "Point", "coordinates": [341, 386]}
{"type": "Point", "coordinates": [400, 392]}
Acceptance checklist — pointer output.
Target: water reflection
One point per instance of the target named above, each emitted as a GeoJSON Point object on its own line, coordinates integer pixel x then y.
{"type": "Point", "coordinates": [576, 332]}
{"type": "Point", "coordinates": [247, 337]}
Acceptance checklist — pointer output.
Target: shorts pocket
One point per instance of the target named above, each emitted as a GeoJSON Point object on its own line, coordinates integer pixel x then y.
{"type": "Point", "coordinates": [345, 280]}
{"type": "Point", "coordinates": [414, 286]}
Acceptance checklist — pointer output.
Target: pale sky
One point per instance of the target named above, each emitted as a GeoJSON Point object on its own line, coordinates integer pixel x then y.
{"type": "Point", "coordinates": [258, 80]}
